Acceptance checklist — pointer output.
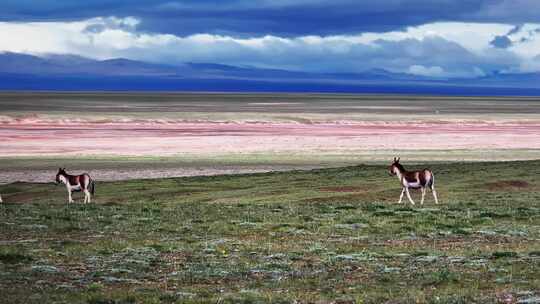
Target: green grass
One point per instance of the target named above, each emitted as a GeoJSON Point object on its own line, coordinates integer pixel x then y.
{"type": "Point", "coordinates": [321, 236]}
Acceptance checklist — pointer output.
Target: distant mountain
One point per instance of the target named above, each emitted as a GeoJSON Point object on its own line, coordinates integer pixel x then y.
{"type": "Point", "coordinates": [69, 72]}
{"type": "Point", "coordinates": [513, 79]}
{"type": "Point", "coordinates": [26, 64]}
{"type": "Point", "coordinates": [76, 65]}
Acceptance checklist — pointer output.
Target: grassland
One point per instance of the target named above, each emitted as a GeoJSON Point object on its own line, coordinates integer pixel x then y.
{"type": "Point", "coordinates": [329, 235]}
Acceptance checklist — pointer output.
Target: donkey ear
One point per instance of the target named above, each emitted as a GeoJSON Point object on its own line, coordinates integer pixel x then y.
{"type": "Point", "coordinates": [397, 161]}
{"type": "Point", "coordinates": [394, 159]}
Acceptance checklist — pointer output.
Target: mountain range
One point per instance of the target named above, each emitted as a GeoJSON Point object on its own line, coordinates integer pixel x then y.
{"type": "Point", "coordinates": [69, 72]}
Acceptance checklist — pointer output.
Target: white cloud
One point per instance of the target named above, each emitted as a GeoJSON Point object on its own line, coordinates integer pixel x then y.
{"type": "Point", "coordinates": [437, 49]}
{"type": "Point", "coordinates": [472, 36]}
{"type": "Point", "coordinates": [435, 71]}
{"type": "Point", "coordinates": [526, 41]}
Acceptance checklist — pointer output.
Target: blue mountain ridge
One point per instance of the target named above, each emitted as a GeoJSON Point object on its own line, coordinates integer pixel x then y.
{"type": "Point", "coordinates": [71, 72]}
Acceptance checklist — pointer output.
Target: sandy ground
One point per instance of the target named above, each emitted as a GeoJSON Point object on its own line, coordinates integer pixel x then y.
{"type": "Point", "coordinates": [52, 138]}
{"type": "Point", "coordinates": [46, 176]}
{"type": "Point", "coordinates": [38, 138]}
{"type": "Point", "coordinates": [221, 127]}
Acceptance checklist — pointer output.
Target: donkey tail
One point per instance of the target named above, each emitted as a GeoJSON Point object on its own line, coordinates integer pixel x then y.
{"type": "Point", "coordinates": [92, 187]}
{"type": "Point", "coordinates": [431, 180]}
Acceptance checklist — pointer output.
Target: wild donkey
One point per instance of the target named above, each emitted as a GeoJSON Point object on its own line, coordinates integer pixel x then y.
{"type": "Point", "coordinates": [74, 183]}
{"type": "Point", "coordinates": [413, 179]}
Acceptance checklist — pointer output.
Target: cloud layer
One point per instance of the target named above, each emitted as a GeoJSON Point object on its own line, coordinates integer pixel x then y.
{"type": "Point", "coordinates": [443, 49]}
{"type": "Point", "coordinates": [283, 18]}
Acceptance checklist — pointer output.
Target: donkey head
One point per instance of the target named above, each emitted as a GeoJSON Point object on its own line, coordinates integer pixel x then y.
{"type": "Point", "coordinates": [395, 167]}
{"type": "Point", "coordinates": [61, 172]}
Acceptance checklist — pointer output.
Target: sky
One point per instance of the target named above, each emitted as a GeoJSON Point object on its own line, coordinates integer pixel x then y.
{"type": "Point", "coordinates": [437, 38]}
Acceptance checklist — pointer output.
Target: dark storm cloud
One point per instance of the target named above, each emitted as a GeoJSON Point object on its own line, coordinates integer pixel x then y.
{"type": "Point", "coordinates": [501, 42]}
{"type": "Point", "coordinates": [277, 17]}
{"type": "Point", "coordinates": [504, 41]}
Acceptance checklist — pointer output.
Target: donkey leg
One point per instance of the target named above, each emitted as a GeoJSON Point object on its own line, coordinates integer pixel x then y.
{"type": "Point", "coordinates": [434, 194]}
{"type": "Point", "coordinates": [423, 194]}
{"type": "Point", "coordinates": [409, 196]}
{"type": "Point", "coordinates": [84, 189]}
{"type": "Point", "coordinates": [86, 196]}
{"type": "Point", "coordinates": [401, 195]}
{"type": "Point", "coordinates": [70, 200]}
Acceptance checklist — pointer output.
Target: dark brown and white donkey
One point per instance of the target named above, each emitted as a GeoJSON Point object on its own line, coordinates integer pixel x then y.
{"type": "Point", "coordinates": [414, 180]}
{"type": "Point", "coordinates": [74, 183]}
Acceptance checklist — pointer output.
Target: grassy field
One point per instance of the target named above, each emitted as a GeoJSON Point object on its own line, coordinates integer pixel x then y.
{"type": "Point", "coordinates": [329, 235]}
